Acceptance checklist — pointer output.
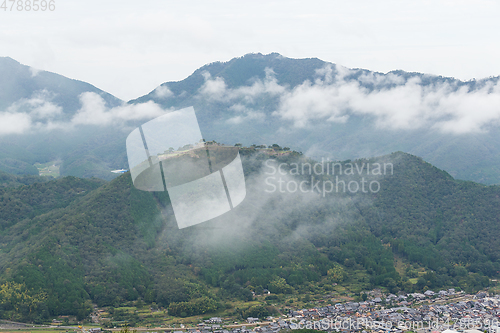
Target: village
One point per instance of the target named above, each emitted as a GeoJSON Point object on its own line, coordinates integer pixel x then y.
{"type": "Point", "coordinates": [444, 311]}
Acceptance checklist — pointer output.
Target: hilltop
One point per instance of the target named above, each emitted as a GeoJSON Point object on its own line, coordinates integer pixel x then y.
{"type": "Point", "coordinates": [80, 242]}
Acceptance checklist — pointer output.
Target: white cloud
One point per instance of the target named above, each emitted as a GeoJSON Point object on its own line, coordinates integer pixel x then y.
{"type": "Point", "coordinates": [245, 114]}
{"type": "Point", "coordinates": [40, 114]}
{"type": "Point", "coordinates": [379, 80]}
{"type": "Point", "coordinates": [267, 86]}
{"type": "Point", "coordinates": [216, 89]}
{"type": "Point", "coordinates": [309, 101]}
{"type": "Point", "coordinates": [38, 106]}
{"type": "Point", "coordinates": [14, 123]}
{"type": "Point", "coordinates": [213, 89]}
{"type": "Point", "coordinates": [95, 112]}
{"type": "Point", "coordinates": [403, 105]}
{"type": "Point", "coordinates": [46, 110]}
{"type": "Point", "coordinates": [163, 92]}
{"type": "Point", "coordinates": [34, 71]}
{"type": "Point", "coordinates": [392, 100]}
{"type": "Point", "coordinates": [326, 72]}
{"type": "Point", "coordinates": [29, 113]}
{"type": "Point", "coordinates": [471, 111]}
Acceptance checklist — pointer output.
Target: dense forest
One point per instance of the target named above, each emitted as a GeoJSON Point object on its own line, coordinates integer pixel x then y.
{"type": "Point", "coordinates": [68, 243]}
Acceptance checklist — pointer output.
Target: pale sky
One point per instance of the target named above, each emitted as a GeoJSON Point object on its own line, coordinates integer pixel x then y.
{"type": "Point", "coordinates": [129, 48]}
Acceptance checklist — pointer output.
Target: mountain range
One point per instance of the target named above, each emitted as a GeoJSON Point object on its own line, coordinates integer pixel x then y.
{"type": "Point", "coordinates": [322, 109]}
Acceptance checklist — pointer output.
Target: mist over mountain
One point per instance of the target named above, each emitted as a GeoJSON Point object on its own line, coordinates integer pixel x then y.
{"type": "Point", "coordinates": [33, 87]}
{"type": "Point", "coordinates": [329, 111]}
{"type": "Point", "coordinates": [73, 242]}
{"type": "Point", "coordinates": [322, 109]}
{"type": "Point", "coordinates": [46, 117]}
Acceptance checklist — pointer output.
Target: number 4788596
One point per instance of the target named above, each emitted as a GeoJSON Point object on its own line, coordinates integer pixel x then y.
{"type": "Point", "coordinates": [28, 5]}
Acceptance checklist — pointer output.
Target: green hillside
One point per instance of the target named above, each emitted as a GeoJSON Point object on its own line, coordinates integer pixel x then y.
{"type": "Point", "coordinates": [68, 243]}
{"type": "Point", "coordinates": [10, 180]}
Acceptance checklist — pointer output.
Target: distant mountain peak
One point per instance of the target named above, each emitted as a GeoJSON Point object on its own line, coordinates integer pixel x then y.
{"type": "Point", "coordinates": [18, 81]}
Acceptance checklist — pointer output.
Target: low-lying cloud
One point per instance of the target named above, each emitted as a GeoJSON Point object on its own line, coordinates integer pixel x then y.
{"type": "Point", "coordinates": [216, 89]}
{"type": "Point", "coordinates": [245, 114]}
{"type": "Point", "coordinates": [408, 105]}
{"type": "Point", "coordinates": [95, 112]}
{"type": "Point", "coordinates": [163, 92]}
{"type": "Point", "coordinates": [394, 100]}
{"type": "Point", "coordinates": [40, 113]}
{"type": "Point", "coordinates": [14, 123]}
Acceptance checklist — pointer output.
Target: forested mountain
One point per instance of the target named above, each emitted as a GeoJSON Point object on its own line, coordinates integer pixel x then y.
{"type": "Point", "coordinates": [326, 110]}
{"type": "Point", "coordinates": [19, 82]}
{"type": "Point", "coordinates": [9, 180]}
{"type": "Point", "coordinates": [322, 109]}
{"type": "Point", "coordinates": [70, 242]}
{"type": "Point", "coordinates": [37, 112]}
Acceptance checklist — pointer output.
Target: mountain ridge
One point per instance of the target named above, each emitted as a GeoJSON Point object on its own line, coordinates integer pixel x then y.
{"type": "Point", "coordinates": [263, 99]}
{"type": "Point", "coordinates": [114, 244]}
{"type": "Point", "coordinates": [24, 80]}
{"type": "Point", "coordinates": [218, 69]}
{"type": "Point", "coordinates": [240, 102]}
{"type": "Point", "coordinates": [41, 106]}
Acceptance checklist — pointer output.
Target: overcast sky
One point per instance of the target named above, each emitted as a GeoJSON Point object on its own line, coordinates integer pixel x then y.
{"type": "Point", "coordinates": [128, 48]}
